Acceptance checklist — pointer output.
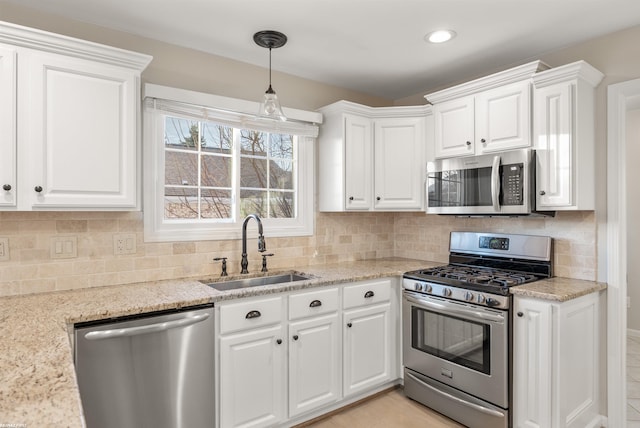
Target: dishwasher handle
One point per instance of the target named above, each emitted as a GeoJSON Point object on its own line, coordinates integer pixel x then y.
{"type": "Point", "coordinates": [146, 329]}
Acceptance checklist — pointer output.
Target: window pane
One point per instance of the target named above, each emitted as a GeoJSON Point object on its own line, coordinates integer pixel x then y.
{"type": "Point", "coordinates": [217, 138]}
{"type": "Point", "coordinates": [216, 203]}
{"type": "Point", "coordinates": [180, 133]}
{"type": "Point", "coordinates": [180, 202]}
{"type": "Point", "coordinates": [181, 168]}
{"type": "Point", "coordinates": [253, 201]}
{"type": "Point", "coordinates": [281, 174]}
{"type": "Point", "coordinates": [282, 205]}
{"type": "Point", "coordinates": [216, 171]}
{"type": "Point", "coordinates": [252, 143]}
{"type": "Point", "coordinates": [281, 146]}
{"type": "Point", "coordinates": [253, 172]}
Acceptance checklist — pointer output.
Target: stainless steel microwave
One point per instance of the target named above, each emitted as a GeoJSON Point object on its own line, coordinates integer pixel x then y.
{"type": "Point", "coordinates": [496, 184]}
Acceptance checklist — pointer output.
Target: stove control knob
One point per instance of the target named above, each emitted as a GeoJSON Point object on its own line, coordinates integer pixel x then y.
{"type": "Point", "coordinates": [480, 298]}
{"type": "Point", "coordinates": [446, 292]}
{"type": "Point", "coordinates": [427, 288]}
{"type": "Point", "coordinates": [492, 302]}
{"type": "Point", "coordinates": [468, 296]}
{"type": "Point", "coordinates": [418, 286]}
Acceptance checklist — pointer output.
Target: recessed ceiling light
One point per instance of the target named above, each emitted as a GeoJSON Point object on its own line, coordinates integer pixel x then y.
{"type": "Point", "coordinates": [440, 36]}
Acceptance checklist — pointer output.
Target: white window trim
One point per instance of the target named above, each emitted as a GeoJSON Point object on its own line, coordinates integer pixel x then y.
{"type": "Point", "coordinates": [157, 229]}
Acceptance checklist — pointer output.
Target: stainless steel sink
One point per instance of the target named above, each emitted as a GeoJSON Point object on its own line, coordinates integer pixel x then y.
{"type": "Point", "coordinates": [258, 281]}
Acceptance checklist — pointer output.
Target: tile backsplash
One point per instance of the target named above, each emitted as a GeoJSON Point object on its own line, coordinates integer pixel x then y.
{"type": "Point", "coordinates": [39, 261]}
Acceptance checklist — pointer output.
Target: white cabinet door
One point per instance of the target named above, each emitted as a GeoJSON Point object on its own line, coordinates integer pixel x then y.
{"type": "Point", "coordinates": [532, 361]}
{"type": "Point", "coordinates": [399, 171]}
{"type": "Point", "coordinates": [253, 378]}
{"type": "Point", "coordinates": [454, 127]}
{"type": "Point", "coordinates": [554, 147]}
{"type": "Point", "coordinates": [314, 363]}
{"type": "Point", "coordinates": [8, 140]}
{"type": "Point", "coordinates": [358, 163]}
{"type": "Point", "coordinates": [503, 118]}
{"type": "Point", "coordinates": [366, 349]}
{"type": "Point", "coordinates": [556, 363]}
{"type": "Point", "coordinates": [78, 133]}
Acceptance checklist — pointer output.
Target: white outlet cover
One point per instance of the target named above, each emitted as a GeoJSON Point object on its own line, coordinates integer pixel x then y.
{"type": "Point", "coordinates": [4, 249]}
{"type": "Point", "coordinates": [64, 247]}
{"type": "Point", "coordinates": [124, 243]}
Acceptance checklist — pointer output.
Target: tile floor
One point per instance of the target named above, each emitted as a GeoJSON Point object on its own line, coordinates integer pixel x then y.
{"type": "Point", "coordinates": [633, 381]}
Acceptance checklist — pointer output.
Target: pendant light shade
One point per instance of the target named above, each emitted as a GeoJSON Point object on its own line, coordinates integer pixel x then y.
{"type": "Point", "coordinates": [270, 106]}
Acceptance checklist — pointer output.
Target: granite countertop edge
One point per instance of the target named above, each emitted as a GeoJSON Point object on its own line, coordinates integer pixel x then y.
{"type": "Point", "coordinates": [37, 377]}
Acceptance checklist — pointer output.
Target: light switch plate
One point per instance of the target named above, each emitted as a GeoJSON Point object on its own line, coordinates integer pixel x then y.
{"type": "Point", "coordinates": [124, 243]}
{"type": "Point", "coordinates": [64, 247]}
{"type": "Point", "coordinates": [4, 249]}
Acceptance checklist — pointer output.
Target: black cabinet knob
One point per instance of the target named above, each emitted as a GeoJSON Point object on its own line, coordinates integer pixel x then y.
{"type": "Point", "coordinates": [38, 189]}
{"type": "Point", "coordinates": [351, 198]}
{"type": "Point", "coordinates": [7, 187]}
{"type": "Point", "coordinates": [378, 198]}
{"type": "Point", "coordinates": [468, 143]}
{"type": "Point", "coordinates": [295, 337]}
{"type": "Point", "coordinates": [483, 140]}
{"type": "Point", "coordinates": [279, 341]}
{"type": "Point", "coordinates": [520, 314]}
{"type": "Point", "coordinates": [542, 193]}
{"type": "Point", "coordinates": [349, 324]}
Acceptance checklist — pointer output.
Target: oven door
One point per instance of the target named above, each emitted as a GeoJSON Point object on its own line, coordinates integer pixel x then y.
{"type": "Point", "coordinates": [459, 344]}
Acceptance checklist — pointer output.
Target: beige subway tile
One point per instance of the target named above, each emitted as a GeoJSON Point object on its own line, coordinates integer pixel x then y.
{"type": "Point", "coordinates": [37, 286]}
{"type": "Point", "coordinates": [184, 248]}
{"type": "Point", "coordinates": [158, 248]}
{"type": "Point", "coordinates": [72, 282]}
{"type": "Point", "coordinates": [9, 288]}
{"type": "Point", "coordinates": [83, 267]}
{"type": "Point", "coordinates": [147, 263]}
{"type": "Point", "coordinates": [54, 270]}
{"type": "Point", "coordinates": [33, 255]}
{"type": "Point", "coordinates": [102, 279]}
{"type": "Point", "coordinates": [71, 226]}
{"type": "Point", "coordinates": [102, 225]}
{"type": "Point", "coordinates": [120, 264]}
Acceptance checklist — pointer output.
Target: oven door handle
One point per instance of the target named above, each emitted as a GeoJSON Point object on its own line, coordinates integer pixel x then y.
{"type": "Point", "coordinates": [495, 184]}
{"type": "Point", "coordinates": [458, 399]}
{"type": "Point", "coordinates": [452, 310]}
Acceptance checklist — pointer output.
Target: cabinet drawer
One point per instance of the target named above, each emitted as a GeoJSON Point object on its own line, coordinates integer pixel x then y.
{"type": "Point", "coordinates": [316, 302]}
{"type": "Point", "coordinates": [367, 293]}
{"type": "Point", "coordinates": [252, 314]}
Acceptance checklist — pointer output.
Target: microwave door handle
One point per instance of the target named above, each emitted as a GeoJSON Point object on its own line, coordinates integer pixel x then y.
{"type": "Point", "coordinates": [495, 184]}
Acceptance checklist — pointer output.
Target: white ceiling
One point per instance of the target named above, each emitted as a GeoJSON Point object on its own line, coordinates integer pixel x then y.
{"type": "Point", "coordinates": [372, 46]}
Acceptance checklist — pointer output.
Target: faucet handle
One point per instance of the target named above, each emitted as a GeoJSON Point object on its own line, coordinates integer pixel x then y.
{"type": "Point", "coordinates": [264, 261]}
{"type": "Point", "coordinates": [224, 265]}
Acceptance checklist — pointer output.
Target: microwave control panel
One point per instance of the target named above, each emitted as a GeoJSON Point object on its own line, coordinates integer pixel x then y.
{"type": "Point", "coordinates": [512, 184]}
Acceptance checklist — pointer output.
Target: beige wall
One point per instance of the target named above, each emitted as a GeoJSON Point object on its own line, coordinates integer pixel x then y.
{"type": "Point", "coordinates": [338, 237]}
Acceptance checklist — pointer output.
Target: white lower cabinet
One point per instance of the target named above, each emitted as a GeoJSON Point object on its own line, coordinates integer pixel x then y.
{"type": "Point", "coordinates": [284, 357]}
{"type": "Point", "coordinates": [556, 363]}
{"type": "Point", "coordinates": [367, 352]}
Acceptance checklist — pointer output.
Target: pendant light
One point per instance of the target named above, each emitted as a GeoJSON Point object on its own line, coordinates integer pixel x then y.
{"type": "Point", "coordinates": [270, 106]}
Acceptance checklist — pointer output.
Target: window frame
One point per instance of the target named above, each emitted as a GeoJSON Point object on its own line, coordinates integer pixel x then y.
{"type": "Point", "coordinates": [161, 101]}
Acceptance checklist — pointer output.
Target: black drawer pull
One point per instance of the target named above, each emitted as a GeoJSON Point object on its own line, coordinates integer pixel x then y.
{"type": "Point", "coordinates": [349, 324]}
{"type": "Point", "coordinates": [253, 314]}
{"type": "Point", "coordinates": [315, 304]}
{"type": "Point", "coordinates": [369, 294]}
{"type": "Point", "coordinates": [295, 337]}
{"type": "Point", "coordinates": [279, 341]}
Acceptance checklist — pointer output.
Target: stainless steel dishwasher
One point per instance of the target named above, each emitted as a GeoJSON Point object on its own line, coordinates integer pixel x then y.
{"type": "Point", "coordinates": [155, 370]}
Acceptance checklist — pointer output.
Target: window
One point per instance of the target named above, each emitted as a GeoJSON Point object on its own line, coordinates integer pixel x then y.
{"type": "Point", "coordinates": [207, 169]}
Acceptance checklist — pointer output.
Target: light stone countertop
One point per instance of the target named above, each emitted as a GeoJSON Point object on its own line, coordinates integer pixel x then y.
{"type": "Point", "coordinates": [37, 378]}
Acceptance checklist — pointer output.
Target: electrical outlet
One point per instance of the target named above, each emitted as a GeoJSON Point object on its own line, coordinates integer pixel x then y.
{"type": "Point", "coordinates": [4, 249]}
{"type": "Point", "coordinates": [124, 243]}
{"type": "Point", "coordinates": [64, 247]}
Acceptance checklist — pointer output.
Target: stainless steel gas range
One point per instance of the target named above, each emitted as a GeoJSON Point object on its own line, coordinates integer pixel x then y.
{"type": "Point", "coordinates": [457, 337]}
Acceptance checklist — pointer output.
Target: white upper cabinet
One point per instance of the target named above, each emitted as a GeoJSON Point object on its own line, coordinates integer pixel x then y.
{"type": "Point", "coordinates": [7, 126]}
{"type": "Point", "coordinates": [76, 106]}
{"type": "Point", "coordinates": [564, 137]}
{"type": "Point", "coordinates": [371, 158]}
{"type": "Point", "coordinates": [485, 115]}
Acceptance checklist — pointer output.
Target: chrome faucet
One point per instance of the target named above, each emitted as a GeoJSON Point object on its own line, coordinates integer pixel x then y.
{"type": "Point", "coordinates": [262, 246]}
